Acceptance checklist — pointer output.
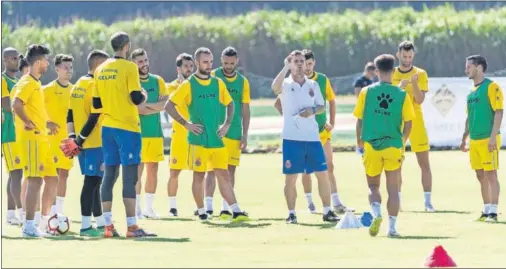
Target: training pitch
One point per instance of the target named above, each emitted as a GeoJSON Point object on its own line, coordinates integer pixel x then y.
{"type": "Point", "coordinates": [268, 241]}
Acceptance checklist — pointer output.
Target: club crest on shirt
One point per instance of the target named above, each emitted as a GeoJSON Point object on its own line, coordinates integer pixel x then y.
{"type": "Point", "coordinates": [17, 160]}
{"type": "Point", "coordinates": [55, 159]}
{"type": "Point", "coordinates": [311, 92]}
{"type": "Point", "coordinates": [174, 160]}
{"type": "Point", "coordinates": [443, 100]}
{"type": "Point", "coordinates": [288, 164]}
{"type": "Point", "coordinates": [41, 167]}
{"type": "Point", "coordinates": [197, 162]}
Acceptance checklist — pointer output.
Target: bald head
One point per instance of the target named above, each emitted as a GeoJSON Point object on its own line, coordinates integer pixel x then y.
{"type": "Point", "coordinates": [11, 59]}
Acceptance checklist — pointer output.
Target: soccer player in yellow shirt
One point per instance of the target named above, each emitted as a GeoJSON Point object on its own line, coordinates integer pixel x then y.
{"type": "Point", "coordinates": [151, 132]}
{"type": "Point", "coordinates": [237, 137]}
{"type": "Point", "coordinates": [381, 111]}
{"type": "Point", "coordinates": [117, 90]}
{"type": "Point", "coordinates": [28, 104]}
{"type": "Point", "coordinates": [56, 100]}
{"type": "Point", "coordinates": [414, 81]}
{"type": "Point", "coordinates": [11, 149]}
{"type": "Point", "coordinates": [84, 124]}
{"type": "Point", "coordinates": [325, 129]}
{"type": "Point", "coordinates": [485, 110]}
{"type": "Point", "coordinates": [204, 96]}
{"type": "Point", "coordinates": [179, 141]}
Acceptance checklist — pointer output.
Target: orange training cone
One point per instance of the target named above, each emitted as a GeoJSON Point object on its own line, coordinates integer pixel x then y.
{"type": "Point", "coordinates": [439, 258]}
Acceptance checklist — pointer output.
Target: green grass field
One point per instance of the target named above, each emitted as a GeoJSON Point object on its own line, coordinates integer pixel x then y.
{"type": "Point", "coordinates": [269, 242]}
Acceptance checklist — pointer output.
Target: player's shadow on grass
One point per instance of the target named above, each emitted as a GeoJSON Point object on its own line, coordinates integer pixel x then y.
{"type": "Point", "coordinates": [272, 219]}
{"type": "Point", "coordinates": [441, 212]}
{"type": "Point", "coordinates": [321, 225]}
{"type": "Point", "coordinates": [421, 237]}
{"type": "Point", "coordinates": [236, 225]}
{"type": "Point", "coordinates": [176, 219]}
{"type": "Point", "coordinates": [18, 238]}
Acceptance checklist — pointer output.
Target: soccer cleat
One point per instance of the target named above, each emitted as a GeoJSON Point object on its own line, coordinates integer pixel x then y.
{"type": "Point", "coordinates": [331, 217]}
{"type": "Point", "coordinates": [312, 208]}
{"type": "Point", "coordinates": [240, 217]}
{"type": "Point", "coordinates": [483, 217]}
{"type": "Point", "coordinates": [393, 233]}
{"type": "Point", "coordinates": [139, 215]}
{"type": "Point", "coordinates": [204, 217]}
{"type": "Point", "coordinates": [225, 215]}
{"type": "Point", "coordinates": [341, 209]}
{"type": "Point", "coordinates": [292, 219]}
{"type": "Point", "coordinates": [375, 226]}
{"type": "Point", "coordinates": [101, 229]}
{"type": "Point", "coordinates": [196, 212]}
{"type": "Point", "coordinates": [150, 214]}
{"type": "Point", "coordinates": [110, 231]}
{"type": "Point", "coordinates": [173, 212]}
{"type": "Point", "coordinates": [91, 232]}
{"type": "Point", "coordinates": [135, 231]}
{"type": "Point", "coordinates": [210, 213]}
{"type": "Point", "coordinates": [33, 233]}
{"type": "Point", "coordinates": [14, 221]}
{"type": "Point", "coordinates": [429, 208]}
{"type": "Point", "coordinates": [492, 217]}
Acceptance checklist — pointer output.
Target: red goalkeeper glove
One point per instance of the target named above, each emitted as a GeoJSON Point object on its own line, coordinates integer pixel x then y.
{"type": "Point", "coordinates": [70, 148]}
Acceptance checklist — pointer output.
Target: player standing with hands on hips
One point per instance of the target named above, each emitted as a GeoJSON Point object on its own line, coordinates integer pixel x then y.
{"type": "Point", "coordinates": [301, 100]}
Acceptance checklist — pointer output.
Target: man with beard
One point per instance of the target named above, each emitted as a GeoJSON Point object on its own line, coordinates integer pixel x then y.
{"type": "Point", "coordinates": [151, 132]}
{"type": "Point", "coordinates": [204, 95]}
{"type": "Point", "coordinates": [301, 100]}
{"type": "Point", "coordinates": [118, 91]}
{"type": "Point", "coordinates": [485, 108]}
{"type": "Point", "coordinates": [56, 100]}
{"type": "Point", "coordinates": [11, 149]}
{"type": "Point", "coordinates": [237, 137]}
{"type": "Point", "coordinates": [28, 105]}
{"type": "Point", "coordinates": [179, 143]}
{"type": "Point", "coordinates": [325, 129]}
{"type": "Point", "coordinates": [414, 81]}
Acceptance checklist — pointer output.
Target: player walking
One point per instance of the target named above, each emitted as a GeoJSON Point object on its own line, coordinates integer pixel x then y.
{"type": "Point", "coordinates": [204, 95]}
{"type": "Point", "coordinates": [381, 110]}
{"type": "Point", "coordinates": [414, 81]}
{"type": "Point", "coordinates": [118, 91]}
{"type": "Point", "coordinates": [151, 132]}
{"type": "Point", "coordinates": [179, 143]}
{"type": "Point", "coordinates": [485, 106]}
{"type": "Point", "coordinates": [301, 100]}
{"type": "Point", "coordinates": [237, 137]}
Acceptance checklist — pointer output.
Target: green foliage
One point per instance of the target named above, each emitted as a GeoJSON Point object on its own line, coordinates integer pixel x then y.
{"type": "Point", "coordinates": [343, 42]}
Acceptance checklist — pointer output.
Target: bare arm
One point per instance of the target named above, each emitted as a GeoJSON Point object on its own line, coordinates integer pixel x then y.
{"type": "Point", "coordinates": [246, 116]}
{"type": "Point", "coordinates": [406, 131]}
{"type": "Point", "coordinates": [278, 107]}
{"type": "Point", "coordinates": [319, 109]}
{"type": "Point", "coordinates": [70, 123]}
{"type": "Point", "coordinates": [358, 131]}
{"type": "Point", "coordinates": [418, 95]}
{"type": "Point", "coordinates": [278, 81]}
{"type": "Point", "coordinates": [332, 112]}
{"type": "Point", "coordinates": [145, 110]}
{"type": "Point", "coordinates": [6, 104]}
{"type": "Point", "coordinates": [19, 109]}
{"type": "Point", "coordinates": [160, 105]}
{"type": "Point", "coordinates": [497, 122]}
{"type": "Point", "coordinates": [170, 108]}
{"type": "Point", "coordinates": [230, 113]}
{"type": "Point", "coordinates": [466, 131]}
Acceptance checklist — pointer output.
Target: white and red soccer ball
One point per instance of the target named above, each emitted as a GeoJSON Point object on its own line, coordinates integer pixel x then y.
{"type": "Point", "coordinates": [58, 224]}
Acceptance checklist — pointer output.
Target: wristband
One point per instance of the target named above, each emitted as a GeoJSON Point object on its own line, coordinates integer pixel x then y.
{"type": "Point", "coordinates": [72, 135]}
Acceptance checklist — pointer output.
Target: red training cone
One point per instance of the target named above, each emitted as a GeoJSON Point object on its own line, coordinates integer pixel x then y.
{"type": "Point", "coordinates": [439, 258]}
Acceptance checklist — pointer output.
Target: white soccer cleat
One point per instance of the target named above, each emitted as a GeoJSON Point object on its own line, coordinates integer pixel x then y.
{"type": "Point", "coordinates": [33, 233]}
{"type": "Point", "coordinates": [312, 208]}
{"type": "Point", "coordinates": [429, 208]}
{"type": "Point", "coordinates": [139, 215]}
{"type": "Point", "coordinates": [151, 214]}
{"type": "Point", "coordinates": [393, 233]}
{"type": "Point", "coordinates": [14, 221]}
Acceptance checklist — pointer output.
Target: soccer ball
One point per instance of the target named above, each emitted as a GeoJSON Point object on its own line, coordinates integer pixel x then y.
{"type": "Point", "coordinates": [58, 224]}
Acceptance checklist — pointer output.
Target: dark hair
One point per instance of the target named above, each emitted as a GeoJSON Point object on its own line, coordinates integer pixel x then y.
{"type": "Point", "coordinates": [60, 58]}
{"type": "Point", "coordinates": [229, 51]}
{"type": "Point", "coordinates": [369, 66]}
{"type": "Point", "coordinates": [22, 62]}
{"type": "Point", "coordinates": [181, 57]}
{"type": "Point", "coordinates": [406, 46]}
{"type": "Point", "coordinates": [95, 54]}
{"type": "Point", "coordinates": [385, 62]}
{"type": "Point", "coordinates": [478, 60]}
{"type": "Point", "coordinates": [119, 40]}
{"type": "Point", "coordinates": [202, 50]}
{"type": "Point", "coordinates": [308, 54]}
{"type": "Point", "coordinates": [36, 51]}
{"type": "Point", "coordinates": [137, 52]}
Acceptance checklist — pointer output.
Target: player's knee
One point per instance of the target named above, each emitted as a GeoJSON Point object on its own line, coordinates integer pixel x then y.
{"type": "Point", "coordinates": [480, 175]}
{"type": "Point", "coordinates": [330, 167]}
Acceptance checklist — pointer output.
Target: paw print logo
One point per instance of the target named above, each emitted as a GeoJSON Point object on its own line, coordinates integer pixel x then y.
{"type": "Point", "coordinates": [198, 162]}
{"type": "Point", "coordinates": [384, 100]}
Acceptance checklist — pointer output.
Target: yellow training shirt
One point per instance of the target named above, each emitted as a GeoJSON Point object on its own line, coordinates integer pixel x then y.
{"type": "Point", "coordinates": [56, 100]}
{"type": "Point", "coordinates": [29, 91]}
{"type": "Point", "coordinates": [423, 84]}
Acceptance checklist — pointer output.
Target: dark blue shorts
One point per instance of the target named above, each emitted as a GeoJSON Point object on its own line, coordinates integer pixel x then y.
{"type": "Point", "coordinates": [121, 146]}
{"type": "Point", "coordinates": [303, 157]}
{"type": "Point", "coordinates": [91, 161]}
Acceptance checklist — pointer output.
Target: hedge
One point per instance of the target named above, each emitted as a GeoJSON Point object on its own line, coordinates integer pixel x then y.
{"type": "Point", "coordinates": [342, 42]}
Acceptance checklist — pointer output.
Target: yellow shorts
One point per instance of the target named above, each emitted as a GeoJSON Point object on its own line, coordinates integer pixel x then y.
{"type": "Point", "coordinates": [418, 138]}
{"type": "Point", "coordinates": [34, 153]}
{"type": "Point", "coordinates": [481, 157]}
{"type": "Point", "coordinates": [375, 161]}
{"type": "Point", "coordinates": [12, 155]}
{"type": "Point", "coordinates": [56, 159]}
{"type": "Point", "coordinates": [201, 157]}
{"type": "Point", "coordinates": [234, 152]}
{"type": "Point", "coordinates": [325, 136]}
{"type": "Point", "coordinates": [179, 153]}
{"type": "Point", "coordinates": [152, 150]}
